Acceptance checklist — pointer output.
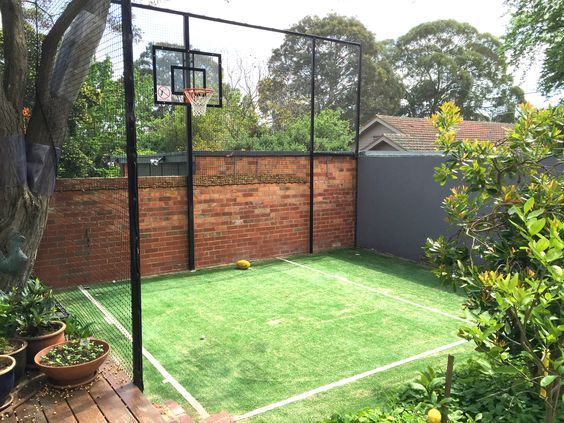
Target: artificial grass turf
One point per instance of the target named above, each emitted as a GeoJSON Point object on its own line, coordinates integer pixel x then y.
{"type": "Point", "coordinates": [278, 330]}
{"type": "Point", "coordinates": [376, 390]}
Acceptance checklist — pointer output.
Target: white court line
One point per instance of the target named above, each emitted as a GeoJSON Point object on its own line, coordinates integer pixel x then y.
{"type": "Point", "coordinates": [168, 377]}
{"type": "Point", "coordinates": [346, 381]}
{"type": "Point", "coordinates": [377, 291]}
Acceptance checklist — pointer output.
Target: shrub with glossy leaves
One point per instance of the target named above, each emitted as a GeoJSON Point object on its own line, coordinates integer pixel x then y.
{"type": "Point", "coordinates": [507, 253]}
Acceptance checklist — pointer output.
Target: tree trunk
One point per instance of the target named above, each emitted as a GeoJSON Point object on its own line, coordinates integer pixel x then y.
{"type": "Point", "coordinates": [26, 214]}
{"type": "Point", "coordinates": [28, 162]}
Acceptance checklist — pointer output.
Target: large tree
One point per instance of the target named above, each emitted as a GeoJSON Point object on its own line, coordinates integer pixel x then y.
{"type": "Point", "coordinates": [284, 93]}
{"type": "Point", "coordinates": [95, 125]}
{"type": "Point", "coordinates": [451, 61]}
{"type": "Point", "coordinates": [28, 149]}
{"type": "Point", "coordinates": [537, 26]}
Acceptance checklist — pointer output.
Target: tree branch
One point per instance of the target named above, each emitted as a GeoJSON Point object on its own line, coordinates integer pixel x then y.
{"type": "Point", "coordinates": [63, 68]}
{"type": "Point", "coordinates": [50, 45]}
{"type": "Point", "coordinates": [15, 52]}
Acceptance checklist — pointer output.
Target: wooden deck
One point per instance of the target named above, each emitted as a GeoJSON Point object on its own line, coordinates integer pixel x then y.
{"type": "Point", "coordinates": [111, 397]}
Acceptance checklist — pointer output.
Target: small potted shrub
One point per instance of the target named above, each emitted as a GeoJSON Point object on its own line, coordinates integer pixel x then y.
{"type": "Point", "coordinates": [17, 349]}
{"type": "Point", "coordinates": [34, 315]}
{"type": "Point", "coordinates": [14, 347]}
{"type": "Point", "coordinates": [7, 370]}
{"type": "Point", "coordinates": [72, 363]}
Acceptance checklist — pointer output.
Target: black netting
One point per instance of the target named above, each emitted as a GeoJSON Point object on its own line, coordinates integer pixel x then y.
{"type": "Point", "coordinates": [84, 254]}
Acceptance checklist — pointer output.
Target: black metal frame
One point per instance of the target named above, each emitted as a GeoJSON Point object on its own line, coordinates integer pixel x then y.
{"type": "Point", "coordinates": [128, 73]}
{"type": "Point", "coordinates": [186, 70]}
{"type": "Point", "coordinates": [187, 53]}
{"type": "Point", "coordinates": [132, 190]}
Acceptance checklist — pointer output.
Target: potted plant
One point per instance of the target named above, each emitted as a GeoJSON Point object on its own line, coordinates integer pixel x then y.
{"type": "Point", "coordinates": [14, 347]}
{"type": "Point", "coordinates": [72, 363]}
{"type": "Point", "coordinates": [7, 367]}
{"type": "Point", "coordinates": [17, 349]}
{"type": "Point", "coordinates": [34, 317]}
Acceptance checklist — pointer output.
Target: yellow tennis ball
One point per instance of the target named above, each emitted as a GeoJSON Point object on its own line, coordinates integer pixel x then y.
{"type": "Point", "coordinates": [243, 264]}
{"type": "Point", "coordinates": [434, 416]}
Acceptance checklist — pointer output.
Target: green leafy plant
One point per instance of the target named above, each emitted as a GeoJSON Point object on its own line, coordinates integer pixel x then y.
{"type": "Point", "coordinates": [33, 309]}
{"type": "Point", "coordinates": [507, 253]}
{"type": "Point", "coordinates": [72, 353]}
{"type": "Point", "coordinates": [427, 389]}
{"type": "Point", "coordinates": [75, 329]}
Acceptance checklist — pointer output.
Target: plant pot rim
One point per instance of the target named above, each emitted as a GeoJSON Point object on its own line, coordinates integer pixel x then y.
{"type": "Point", "coordinates": [40, 354]}
{"type": "Point", "coordinates": [23, 346]}
{"type": "Point", "coordinates": [62, 328]}
{"type": "Point", "coordinates": [10, 367]}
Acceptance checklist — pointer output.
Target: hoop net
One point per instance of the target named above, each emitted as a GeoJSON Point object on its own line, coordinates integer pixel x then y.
{"type": "Point", "coordinates": [198, 98]}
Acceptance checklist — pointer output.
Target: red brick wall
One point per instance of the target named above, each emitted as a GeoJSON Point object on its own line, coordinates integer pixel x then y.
{"type": "Point", "coordinates": [257, 214]}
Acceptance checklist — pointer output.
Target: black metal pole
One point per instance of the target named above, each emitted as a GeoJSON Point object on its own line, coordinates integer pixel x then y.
{"type": "Point", "coordinates": [241, 24]}
{"type": "Point", "coordinates": [356, 144]}
{"type": "Point", "coordinates": [189, 164]}
{"type": "Point", "coordinates": [132, 190]}
{"type": "Point", "coordinates": [312, 147]}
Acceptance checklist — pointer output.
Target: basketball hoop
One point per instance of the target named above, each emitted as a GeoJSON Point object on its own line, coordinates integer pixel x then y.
{"type": "Point", "coordinates": [198, 98]}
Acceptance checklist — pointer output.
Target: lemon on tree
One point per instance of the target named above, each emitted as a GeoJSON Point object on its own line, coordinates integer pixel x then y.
{"type": "Point", "coordinates": [434, 416]}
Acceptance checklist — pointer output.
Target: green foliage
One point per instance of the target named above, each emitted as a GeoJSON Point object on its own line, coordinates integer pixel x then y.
{"type": "Point", "coordinates": [237, 126]}
{"type": "Point", "coordinates": [507, 255]}
{"type": "Point", "coordinates": [379, 415]}
{"type": "Point", "coordinates": [331, 133]}
{"type": "Point", "coordinates": [32, 309]}
{"type": "Point", "coordinates": [535, 26]}
{"type": "Point", "coordinates": [6, 315]}
{"type": "Point", "coordinates": [451, 61]}
{"type": "Point", "coordinates": [479, 393]}
{"type": "Point", "coordinates": [72, 353]}
{"type": "Point", "coordinates": [96, 131]}
{"type": "Point", "coordinates": [76, 330]}
{"type": "Point", "coordinates": [284, 93]}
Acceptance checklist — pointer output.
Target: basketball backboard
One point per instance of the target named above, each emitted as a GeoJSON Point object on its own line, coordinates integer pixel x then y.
{"type": "Point", "coordinates": [175, 69]}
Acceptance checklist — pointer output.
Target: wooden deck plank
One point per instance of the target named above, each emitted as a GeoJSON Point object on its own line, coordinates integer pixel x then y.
{"type": "Point", "coordinates": [8, 417]}
{"type": "Point", "coordinates": [110, 398]}
{"type": "Point", "coordinates": [136, 402]}
{"type": "Point", "coordinates": [109, 402]}
{"type": "Point", "coordinates": [55, 406]}
{"type": "Point", "coordinates": [84, 408]}
{"type": "Point", "coordinates": [30, 411]}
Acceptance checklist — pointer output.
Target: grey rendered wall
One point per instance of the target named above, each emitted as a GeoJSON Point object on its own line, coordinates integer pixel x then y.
{"type": "Point", "coordinates": [399, 203]}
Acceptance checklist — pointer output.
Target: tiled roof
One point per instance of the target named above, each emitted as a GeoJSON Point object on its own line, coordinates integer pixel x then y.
{"type": "Point", "coordinates": [409, 143]}
{"type": "Point", "coordinates": [419, 133]}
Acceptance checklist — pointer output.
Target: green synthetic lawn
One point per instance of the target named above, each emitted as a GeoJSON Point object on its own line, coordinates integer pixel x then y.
{"type": "Point", "coordinates": [239, 340]}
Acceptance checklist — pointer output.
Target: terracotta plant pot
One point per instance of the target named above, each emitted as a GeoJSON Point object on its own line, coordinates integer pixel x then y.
{"type": "Point", "coordinates": [37, 343]}
{"type": "Point", "coordinates": [8, 365]}
{"type": "Point", "coordinates": [71, 376]}
{"type": "Point", "coordinates": [19, 354]}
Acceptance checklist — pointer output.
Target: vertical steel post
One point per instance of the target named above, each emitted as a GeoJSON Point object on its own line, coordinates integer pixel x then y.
{"type": "Point", "coordinates": [356, 144]}
{"type": "Point", "coordinates": [312, 147]}
{"type": "Point", "coordinates": [132, 190]}
{"type": "Point", "coordinates": [189, 160]}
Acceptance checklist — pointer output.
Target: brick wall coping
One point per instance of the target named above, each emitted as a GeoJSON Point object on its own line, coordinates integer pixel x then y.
{"type": "Point", "coordinates": [239, 153]}
{"type": "Point", "coordinates": [108, 184]}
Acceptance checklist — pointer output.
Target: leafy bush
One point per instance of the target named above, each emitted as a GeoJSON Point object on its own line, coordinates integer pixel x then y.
{"type": "Point", "coordinates": [332, 133]}
{"type": "Point", "coordinates": [32, 309]}
{"type": "Point", "coordinates": [507, 255]}
{"type": "Point", "coordinates": [76, 330]}
{"type": "Point", "coordinates": [479, 394]}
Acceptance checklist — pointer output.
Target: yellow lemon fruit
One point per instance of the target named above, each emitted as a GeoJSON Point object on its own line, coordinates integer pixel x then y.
{"type": "Point", "coordinates": [243, 264]}
{"type": "Point", "coordinates": [434, 416]}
